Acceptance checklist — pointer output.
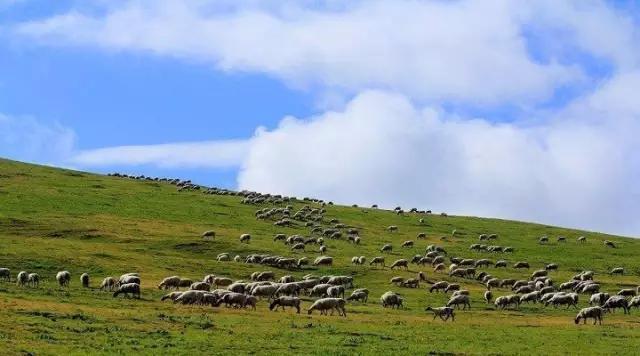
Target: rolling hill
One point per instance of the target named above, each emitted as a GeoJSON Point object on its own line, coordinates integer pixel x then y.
{"type": "Point", "coordinates": [55, 219]}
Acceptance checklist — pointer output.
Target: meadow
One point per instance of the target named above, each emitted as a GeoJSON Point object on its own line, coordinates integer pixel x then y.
{"type": "Point", "coordinates": [55, 219]}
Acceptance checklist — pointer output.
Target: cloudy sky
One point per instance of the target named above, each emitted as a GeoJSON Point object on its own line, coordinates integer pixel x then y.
{"type": "Point", "coordinates": [520, 110]}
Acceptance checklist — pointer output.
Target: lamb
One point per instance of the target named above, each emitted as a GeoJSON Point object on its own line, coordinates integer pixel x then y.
{"type": "Point", "coordinates": [386, 248]}
{"type": "Point", "coordinates": [173, 296]}
{"type": "Point", "coordinates": [323, 261]}
{"type": "Point", "coordinates": [592, 312]}
{"type": "Point", "coordinates": [282, 302]}
{"type": "Point", "coordinates": [325, 304]}
{"type": "Point", "coordinates": [33, 279]}
{"type": "Point", "coordinates": [245, 238]}
{"type": "Point", "coordinates": [442, 285]}
{"type": "Point", "coordinates": [488, 296]}
{"type": "Point", "coordinates": [598, 299]}
{"type": "Point", "coordinates": [84, 280]}
{"type": "Point", "coordinates": [459, 299]}
{"type": "Point", "coordinates": [443, 313]}
{"type": "Point", "coordinates": [63, 278]}
{"type": "Point", "coordinates": [359, 296]}
{"type": "Point", "coordinates": [172, 282]}
{"type": "Point", "coordinates": [200, 286]}
{"type": "Point", "coordinates": [5, 274]}
{"type": "Point", "coordinates": [335, 292]}
{"type": "Point", "coordinates": [377, 261]}
{"type": "Point", "coordinates": [617, 270]}
{"type": "Point", "coordinates": [615, 302]}
{"type": "Point", "coordinates": [250, 301]}
{"type": "Point", "coordinates": [391, 299]}
{"type": "Point", "coordinates": [401, 263]}
{"type": "Point", "coordinates": [108, 284]}
{"type": "Point", "coordinates": [128, 288]}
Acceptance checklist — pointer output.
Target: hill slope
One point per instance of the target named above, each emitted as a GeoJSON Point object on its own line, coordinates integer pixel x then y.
{"type": "Point", "coordinates": [53, 219]}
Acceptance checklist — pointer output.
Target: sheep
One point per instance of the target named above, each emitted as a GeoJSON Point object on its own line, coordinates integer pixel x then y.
{"type": "Point", "coordinates": [63, 278]}
{"type": "Point", "coordinates": [264, 290]}
{"type": "Point", "coordinates": [459, 299]}
{"type": "Point", "coordinates": [582, 239]}
{"type": "Point", "coordinates": [590, 288]}
{"type": "Point", "coordinates": [286, 279]}
{"type": "Point", "coordinates": [392, 228]}
{"type": "Point", "coordinates": [282, 302]}
{"type": "Point", "coordinates": [265, 276]}
{"type": "Point", "coordinates": [222, 281]}
{"type": "Point", "coordinates": [488, 296]}
{"type": "Point", "coordinates": [506, 300]}
{"type": "Point", "coordinates": [443, 313]}
{"type": "Point", "coordinates": [421, 235]}
{"type": "Point", "coordinates": [245, 238]}
{"type": "Point", "coordinates": [279, 237]}
{"type": "Point", "coordinates": [562, 239]}
{"type": "Point", "coordinates": [442, 285]}
{"type": "Point", "coordinates": [325, 304]}
{"type": "Point", "coordinates": [500, 263]}
{"type": "Point", "coordinates": [598, 299]}
{"type": "Point", "coordinates": [570, 299]}
{"type": "Point", "coordinates": [509, 282]}
{"type": "Point", "coordinates": [439, 267]}
{"type": "Point", "coordinates": [302, 262]}
{"type": "Point", "coordinates": [530, 297]}
{"type": "Point", "coordinates": [108, 284]}
{"type": "Point", "coordinates": [359, 296]}
{"type": "Point", "coordinates": [407, 243]}
{"type": "Point", "coordinates": [341, 281]}
{"type": "Point", "coordinates": [320, 290]}
{"type": "Point", "coordinates": [396, 280]}
{"type": "Point", "coordinates": [551, 267]}
{"type": "Point", "coordinates": [386, 248]}
{"type": "Point", "coordinates": [391, 299]}
{"type": "Point", "coordinates": [173, 296]}
{"type": "Point", "coordinates": [608, 243]}
{"type": "Point", "coordinates": [209, 235]}
{"type": "Point", "coordinates": [592, 312]}
{"type": "Point", "coordinates": [493, 282]}
{"type": "Point", "coordinates": [400, 264]}
{"type": "Point", "coordinates": [323, 249]}
{"type": "Point", "coordinates": [377, 261]}
{"type": "Point", "coordinates": [323, 261]}
{"type": "Point", "coordinates": [236, 300]}
{"type": "Point", "coordinates": [223, 257]}
{"type": "Point", "coordinates": [237, 287]}
{"type": "Point", "coordinates": [615, 302]}
{"type": "Point", "coordinates": [452, 287]}
{"type": "Point", "coordinates": [5, 274]}
{"type": "Point", "coordinates": [421, 276]}
{"type": "Point", "coordinates": [627, 292]}
{"type": "Point", "coordinates": [209, 278]}
{"type": "Point", "coordinates": [172, 282]}
{"type": "Point", "coordinates": [335, 292]}
{"type": "Point", "coordinates": [250, 301]}
{"type": "Point", "coordinates": [84, 280]}
{"type": "Point", "coordinates": [634, 302]}
{"type": "Point", "coordinates": [200, 286]}
{"type": "Point", "coordinates": [33, 279]}
{"type": "Point", "coordinates": [483, 262]}
{"type": "Point", "coordinates": [411, 283]}
{"type": "Point", "coordinates": [617, 270]}
{"type": "Point", "coordinates": [543, 239]}
{"type": "Point", "coordinates": [521, 264]}
{"type": "Point", "coordinates": [128, 288]}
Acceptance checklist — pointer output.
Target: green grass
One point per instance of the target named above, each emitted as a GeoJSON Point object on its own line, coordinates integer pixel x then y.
{"type": "Point", "coordinates": [53, 219]}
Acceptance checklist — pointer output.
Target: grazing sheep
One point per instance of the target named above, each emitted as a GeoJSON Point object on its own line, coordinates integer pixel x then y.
{"type": "Point", "coordinates": [488, 296]}
{"type": "Point", "coordinates": [598, 299]}
{"type": "Point", "coordinates": [279, 237]}
{"type": "Point", "coordinates": [391, 299]}
{"type": "Point", "coordinates": [592, 312]}
{"type": "Point", "coordinates": [617, 270]}
{"type": "Point", "coordinates": [442, 285]}
{"type": "Point", "coordinates": [551, 267]}
{"type": "Point", "coordinates": [236, 300]}
{"type": "Point", "coordinates": [562, 239]}
{"type": "Point", "coordinates": [570, 299]}
{"type": "Point", "coordinates": [298, 246]}
{"type": "Point", "coordinates": [396, 280]}
{"type": "Point", "coordinates": [530, 297]}
{"type": "Point", "coordinates": [386, 248]}
{"type": "Point", "coordinates": [323, 261]}
{"type": "Point", "coordinates": [457, 300]}
{"type": "Point", "coordinates": [325, 304]}
{"type": "Point", "coordinates": [401, 263]}
{"type": "Point", "coordinates": [322, 249]}
{"type": "Point", "coordinates": [302, 262]}
{"type": "Point", "coordinates": [493, 282]}
{"type": "Point", "coordinates": [320, 290]}
{"type": "Point", "coordinates": [634, 302]}
{"type": "Point", "coordinates": [608, 243]}
{"type": "Point", "coordinates": [439, 267]}
{"type": "Point", "coordinates": [501, 263]}
{"type": "Point", "coordinates": [129, 288]}
{"type": "Point", "coordinates": [539, 273]}
{"type": "Point", "coordinates": [282, 302]}
{"type": "Point", "coordinates": [245, 238]}
{"type": "Point", "coordinates": [237, 258]}
{"type": "Point", "coordinates": [392, 228]}
{"type": "Point", "coordinates": [84, 280]}
{"type": "Point", "coordinates": [209, 235]}
{"type": "Point", "coordinates": [411, 283]}
{"type": "Point", "coordinates": [108, 284]}
{"type": "Point", "coordinates": [335, 292]}
{"type": "Point", "coordinates": [359, 296]}
{"type": "Point", "coordinates": [615, 302]}
{"type": "Point", "coordinates": [63, 278]}
{"type": "Point", "coordinates": [590, 288]}
{"type": "Point", "coordinates": [506, 300]}
{"type": "Point", "coordinates": [200, 286]}
{"type": "Point", "coordinates": [173, 296]}
{"type": "Point", "coordinates": [222, 281]}
{"type": "Point", "coordinates": [237, 287]}
{"type": "Point", "coordinates": [521, 264]}
{"type": "Point", "coordinates": [5, 274]}
{"type": "Point", "coordinates": [452, 287]}
{"type": "Point", "coordinates": [543, 240]}
{"type": "Point", "coordinates": [582, 239]}
{"type": "Point", "coordinates": [33, 279]}
{"type": "Point", "coordinates": [421, 235]}
{"type": "Point", "coordinates": [265, 276]}
{"type": "Point", "coordinates": [443, 313]}
{"type": "Point", "coordinates": [377, 261]}
{"type": "Point", "coordinates": [209, 278]}
{"type": "Point", "coordinates": [627, 292]}
{"type": "Point", "coordinates": [172, 282]}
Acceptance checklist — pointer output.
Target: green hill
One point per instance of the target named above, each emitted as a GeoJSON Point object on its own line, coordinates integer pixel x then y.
{"type": "Point", "coordinates": [54, 219]}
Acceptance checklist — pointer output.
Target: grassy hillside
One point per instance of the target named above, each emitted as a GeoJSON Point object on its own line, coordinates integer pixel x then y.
{"type": "Point", "coordinates": [53, 219]}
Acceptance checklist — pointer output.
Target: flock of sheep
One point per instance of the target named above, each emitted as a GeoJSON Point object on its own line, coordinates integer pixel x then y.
{"type": "Point", "coordinates": [330, 290]}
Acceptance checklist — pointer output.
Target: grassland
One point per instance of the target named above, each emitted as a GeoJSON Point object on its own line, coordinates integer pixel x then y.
{"type": "Point", "coordinates": [53, 219]}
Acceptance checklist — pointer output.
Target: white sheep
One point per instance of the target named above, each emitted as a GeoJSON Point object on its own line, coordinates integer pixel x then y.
{"type": "Point", "coordinates": [391, 299]}
{"type": "Point", "coordinates": [33, 279]}
{"type": "Point", "coordinates": [245, 238]}
{"type": "Point", "coordinates": [282, 302]}
{"type": "Point", "coordinates": [325, 304]}
{"type": "Point", "coordinates": [108, 284]}
{"type": "Point", "coordinates": [84, 280]}
{"type": "Point", "coordinates": [63, 278]}
{"type": "Point", "coordinates": [129, 288]}
{"type": "Point", "coordinates": [592, 312]}
{"type": "Point", "coordinates": [323, 261]}
{"type": "Point", "coordinates": [5, 274]}
{"type": "Point", "coordinates": [172, 282]}
{"type": "Point", "coordinates": [459, 300]}
{"type": "Point", "coordinates": [443, 313]}
{"type": "Point", "coordinates": [359, 296]}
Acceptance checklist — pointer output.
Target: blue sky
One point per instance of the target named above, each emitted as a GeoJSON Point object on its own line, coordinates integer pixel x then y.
{"type": "Point", "coordinates": [383, 101]}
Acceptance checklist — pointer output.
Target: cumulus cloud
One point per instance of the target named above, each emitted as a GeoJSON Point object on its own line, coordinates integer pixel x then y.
{"type": "Point", "coordinates": [382, 149]}
{"type": "Point", "coordinates": [29, 139]}
{"type": "Point", "coordinates": [211, 154]}
{"type": "Point", "coordinates": [459, 51]}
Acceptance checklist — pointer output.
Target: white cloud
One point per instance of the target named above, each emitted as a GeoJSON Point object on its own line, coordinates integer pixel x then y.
{"type": "Point", "coordinates": [382, 149]}
{"type": "Point", "coordinates": [460, 51]}
{"type": "Point", "coordinates": [212, 154]}
{"type": "Point", "coordinates": [28, 139]}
